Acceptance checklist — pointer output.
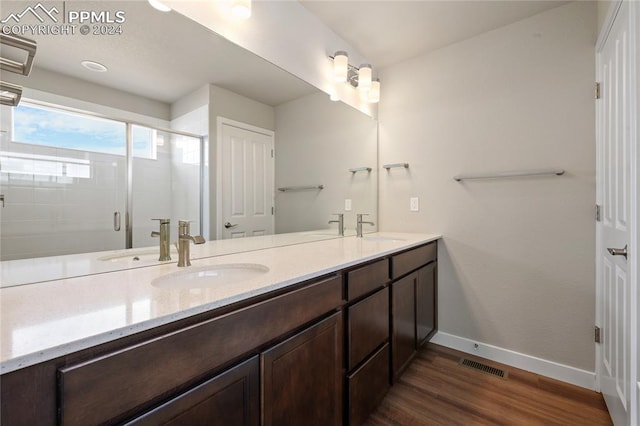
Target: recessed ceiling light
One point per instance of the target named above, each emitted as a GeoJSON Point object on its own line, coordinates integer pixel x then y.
{"type": "Point", "coordinates": [94, 66]}
{"type": "Point", "coordinates": [159, 6]}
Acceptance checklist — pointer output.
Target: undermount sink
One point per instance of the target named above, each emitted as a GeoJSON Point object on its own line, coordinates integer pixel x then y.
{"type": "Point", "coordinates": [137, 255]}
{"type": "Point", "coordinates": [208, 276]}
{"type": "Point", "coordinates": [380, 238]}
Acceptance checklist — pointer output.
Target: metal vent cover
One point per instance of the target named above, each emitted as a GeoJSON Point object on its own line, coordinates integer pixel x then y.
{"type": "Point", "coordinates": [483, 367]}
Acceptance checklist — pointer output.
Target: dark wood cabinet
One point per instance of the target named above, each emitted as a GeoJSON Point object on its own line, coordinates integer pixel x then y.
{"type": "Point", "coordinates": [368, 326]}
{"type": "Point", "coordinates": [231, 399]}
{"type": "Point", "coordinates": [321, 352]}
{"type": "Point", "coordinates": [403, 318]}
{"type": "Point", "coordinates": [426, 303]}
{"type": "Point", "coordinates": [302, 377]}
{"type": "Point", "coordinates": [368, 386]}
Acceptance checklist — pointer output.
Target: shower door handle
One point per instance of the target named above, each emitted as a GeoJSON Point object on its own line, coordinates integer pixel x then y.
{"type": "Point", "coordinates": [116, 221]}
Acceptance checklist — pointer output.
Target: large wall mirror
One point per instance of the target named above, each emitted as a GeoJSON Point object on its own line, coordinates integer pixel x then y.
{"type": "Point", "coordinates": [182, 124]}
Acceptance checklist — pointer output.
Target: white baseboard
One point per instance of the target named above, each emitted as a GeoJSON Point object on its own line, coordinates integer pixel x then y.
{"type": "Point", "coordinates": [554, 370]}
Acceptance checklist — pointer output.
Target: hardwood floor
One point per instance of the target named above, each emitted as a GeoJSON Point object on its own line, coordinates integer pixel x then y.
{"type": "Point", "coordinates": [436, 390]}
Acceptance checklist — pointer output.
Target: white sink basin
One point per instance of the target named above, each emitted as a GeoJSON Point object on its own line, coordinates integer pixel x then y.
{"type": "Point", "coordinates": [209, 276]}
{"type": "Point", "coordinates": [380, 238]}
{"type": "Point", "coordinates": [137, 255]}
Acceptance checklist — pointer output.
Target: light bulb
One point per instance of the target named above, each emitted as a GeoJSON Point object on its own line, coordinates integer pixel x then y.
{"type": "Point", "coordinates": [364, 77]}
{"type": "Point", "coordinates": [159, 6]}
{"type": "Point", "coordinates": [241, 9]}
{"type": "Point", "coordinates": [340, 66]}
{"type": "Point", "coordinates": [374, 92]}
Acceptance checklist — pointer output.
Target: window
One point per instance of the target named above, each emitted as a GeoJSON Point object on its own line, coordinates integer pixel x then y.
{"type": "Point", "coordinates": [57, 128]}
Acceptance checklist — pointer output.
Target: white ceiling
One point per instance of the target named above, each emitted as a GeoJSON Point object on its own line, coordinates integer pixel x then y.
{"type": "Point", "coordinates": [164, 56]}
{"type": "Point", "coordinates": [388, 32]}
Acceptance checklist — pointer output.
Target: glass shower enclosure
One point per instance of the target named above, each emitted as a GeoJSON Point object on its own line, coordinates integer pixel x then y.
{"type": "Point", "coordinates": [74, 182]}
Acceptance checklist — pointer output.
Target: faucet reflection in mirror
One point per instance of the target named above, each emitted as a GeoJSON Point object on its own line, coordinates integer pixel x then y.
{"type": "Point", "coordinates": [359, 77]}
{"type": "Point", "coordinates": [183, 243]}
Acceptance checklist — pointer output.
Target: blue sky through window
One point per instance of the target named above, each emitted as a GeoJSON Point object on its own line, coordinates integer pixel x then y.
{"type": "Point", "coordinates": [69, 130]}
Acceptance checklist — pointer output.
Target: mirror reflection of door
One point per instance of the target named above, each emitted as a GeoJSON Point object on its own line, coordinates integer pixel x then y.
{"type": "Point", "coordinates": [246, 184]}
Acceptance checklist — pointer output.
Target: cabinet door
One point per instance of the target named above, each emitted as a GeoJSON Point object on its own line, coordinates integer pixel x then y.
{"type": "Point", "coordinates": [426, 300]}
{"type": "Point", "coordinates": [231, 398]}
{"type": "Point", "coordinates": [302, 377]}
{"type": "Point", "coordinates": [404, 322]}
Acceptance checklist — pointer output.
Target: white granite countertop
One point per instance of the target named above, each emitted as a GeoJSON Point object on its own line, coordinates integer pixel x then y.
{"type": "Point", "coordinates": [28, 271]}
{"type": "Point", "coordinates": [46, 320]}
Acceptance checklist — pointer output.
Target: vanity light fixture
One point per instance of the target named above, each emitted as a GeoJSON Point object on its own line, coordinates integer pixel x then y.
{"type": "Point", "coordinates": [364, 77]}
{"type": "Point", "coordinates": [360, 78]}
{"type": "Point", "coordinates": [374, 92]}
{"type": "Point", "coordinates": [156, 4]}
{"type": "Point", "coordinates": [94, 66]}
{"type": "Point", "coordinates": [333, 96]}
{"type": "Point", "coordinates": [241, 9]}
{"type": "Point", "coordinates": [340, 66]}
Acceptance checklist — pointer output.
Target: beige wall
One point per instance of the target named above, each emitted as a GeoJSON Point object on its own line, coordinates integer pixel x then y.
{"type": "Point", "coordinates": [317, 141]}
{"type": "Point", "coordinates": [603, 10]}
{"type": "Point", "coordinates": [516, 264]}
{"type": "Point", "coordinates": [81, 90]}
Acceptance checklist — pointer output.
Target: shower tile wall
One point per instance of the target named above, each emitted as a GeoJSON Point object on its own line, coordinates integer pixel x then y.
{"type": "Point", "coordinates": [62, 202]}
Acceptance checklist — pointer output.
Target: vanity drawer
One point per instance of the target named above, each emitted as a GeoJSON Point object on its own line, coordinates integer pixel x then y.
{"type": "Point", "coordinates": [410, 260]}
{"type": "Point", "coordinates": [366, 279]}
{"type": "Point", "coordinates": [367, 386]}
{"type": "Point", "coordinates": [115, 385]}
{"type": "Point", "coordinates": [368, 326]}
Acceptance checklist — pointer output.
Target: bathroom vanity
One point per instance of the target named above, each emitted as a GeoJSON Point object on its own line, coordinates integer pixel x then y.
{"type": "Point", "coordinates": [317, 340]}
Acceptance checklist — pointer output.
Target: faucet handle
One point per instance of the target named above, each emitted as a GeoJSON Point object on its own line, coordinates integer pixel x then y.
{"type": "Point", "coordinates": [163, 221]}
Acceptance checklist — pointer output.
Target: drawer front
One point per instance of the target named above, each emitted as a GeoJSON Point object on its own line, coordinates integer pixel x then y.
{"type": "Point", "coordinates": [367, 386]}
{"type": "Point", "coordinates": [366, 279]}
{"type": "Point", "coordinates": [368, 326]}
{"type": "Point", "coordinates": [117, 384]}
{"type": "Point", "coordinates": [231, 398]}
{"type": "Point", "coordinates": [408, 261]}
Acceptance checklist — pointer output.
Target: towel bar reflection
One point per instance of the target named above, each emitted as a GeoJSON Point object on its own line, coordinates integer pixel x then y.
{"type": "Point", "coordinates": [360, 169]}
{"type": "Point", "coordinates": [541, 172]}
{"type": "Point", "coordinates": [394, 165]}
{"type": "Point", "coordinates": [300, 188]}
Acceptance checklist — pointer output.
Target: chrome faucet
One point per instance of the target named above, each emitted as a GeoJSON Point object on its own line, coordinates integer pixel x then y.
{"type": "Point", "coordinates": [359, 223]}
{"type": "Point", "coordinates": [183, 243]}
{"type": "Point", "coordinates": [340, 223]}
{"type": "Point", "coordinates": [164, 235]}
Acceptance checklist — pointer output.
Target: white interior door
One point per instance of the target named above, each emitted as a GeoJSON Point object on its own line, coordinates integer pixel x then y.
{"type": "Point", "coordinates": [616, 283]}
{"type": "Point", "coordinates": [247, 183]}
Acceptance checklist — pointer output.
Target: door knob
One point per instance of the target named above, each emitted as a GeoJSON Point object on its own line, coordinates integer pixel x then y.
{"type": "Point", "coordinates": [228, 225]}
{"type": "Point", "coordinates": [618, 252]}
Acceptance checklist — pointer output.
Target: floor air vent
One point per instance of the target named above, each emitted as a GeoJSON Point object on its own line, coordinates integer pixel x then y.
{"type": "Point", "coordinates": [484, 368]}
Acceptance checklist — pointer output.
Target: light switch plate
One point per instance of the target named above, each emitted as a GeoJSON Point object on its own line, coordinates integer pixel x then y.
{"type": "Point", "coordinates": [347, 205]}
{"type": "Point", "coordinates": [414, 204]}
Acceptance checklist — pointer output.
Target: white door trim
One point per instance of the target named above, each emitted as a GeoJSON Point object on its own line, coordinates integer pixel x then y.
{"type": "Point", "coordinates": [220, 121]}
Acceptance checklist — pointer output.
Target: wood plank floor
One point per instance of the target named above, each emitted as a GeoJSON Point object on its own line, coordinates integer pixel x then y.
{"type": "Point", "coordinates": [436, 390]}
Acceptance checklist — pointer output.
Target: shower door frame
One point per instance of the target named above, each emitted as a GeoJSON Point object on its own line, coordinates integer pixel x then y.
{"type": "Point", "coordinates": [129, 159]}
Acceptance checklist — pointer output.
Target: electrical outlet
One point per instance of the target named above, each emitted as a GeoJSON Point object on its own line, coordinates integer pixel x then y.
{"type": "Point", "coordinates": [414, 204]}
{"type": "Point", "coordinates": [347, 205]}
